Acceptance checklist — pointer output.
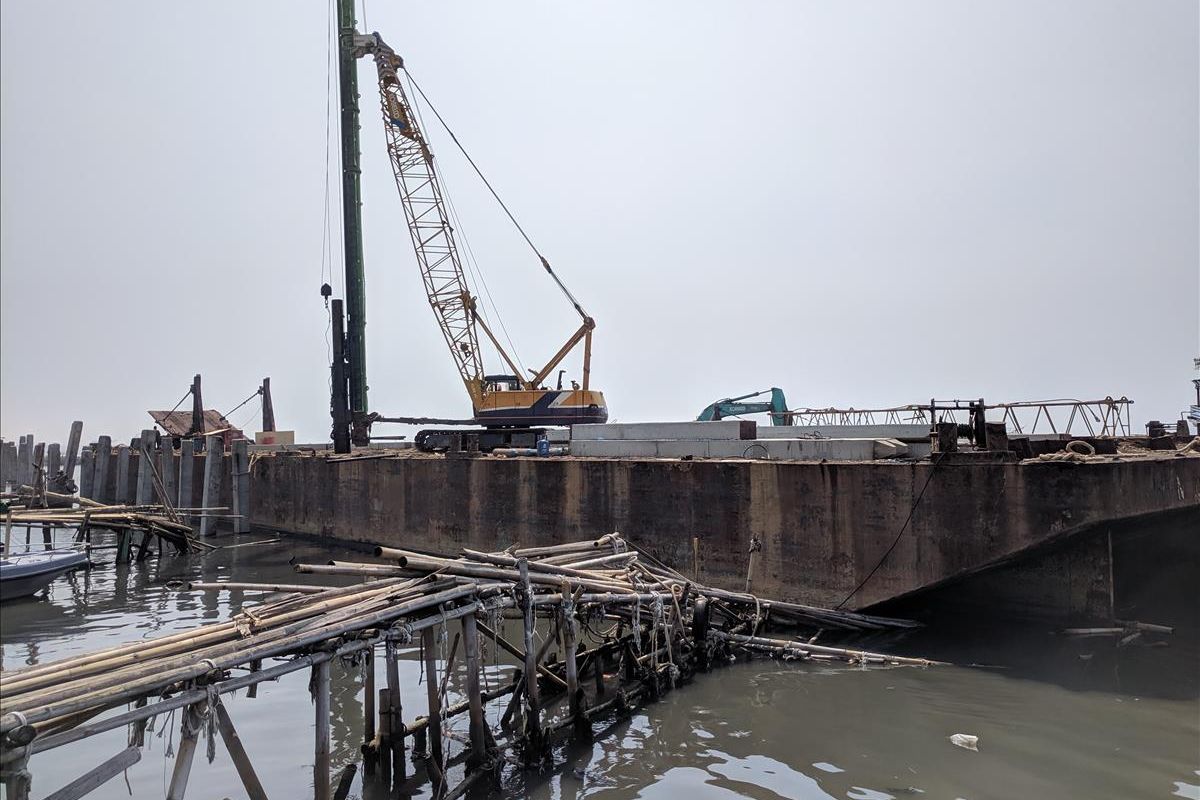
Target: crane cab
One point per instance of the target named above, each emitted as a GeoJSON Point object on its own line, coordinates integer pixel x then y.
{"type": "Point", "coordinates": [508, 404]}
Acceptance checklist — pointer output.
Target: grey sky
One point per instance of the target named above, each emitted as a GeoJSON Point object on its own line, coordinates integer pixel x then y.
{"type": "Point", "coordinates": [862, 203]}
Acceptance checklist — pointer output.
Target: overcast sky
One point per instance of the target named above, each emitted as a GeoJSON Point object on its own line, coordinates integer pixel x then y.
{"type": "Point", "coordinates": [863, 203]}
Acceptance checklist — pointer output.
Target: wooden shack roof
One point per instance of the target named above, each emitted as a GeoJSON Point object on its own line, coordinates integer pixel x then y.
{"type": "Point", "coordinates": [179, 423]}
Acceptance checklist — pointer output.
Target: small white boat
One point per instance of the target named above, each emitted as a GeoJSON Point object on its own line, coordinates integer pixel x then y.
{"type": "Point", "coordinates": [23, 574]}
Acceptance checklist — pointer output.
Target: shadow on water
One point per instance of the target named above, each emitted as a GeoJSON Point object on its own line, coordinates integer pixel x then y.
{"type": "Point", "coordinates": [1156, 569]}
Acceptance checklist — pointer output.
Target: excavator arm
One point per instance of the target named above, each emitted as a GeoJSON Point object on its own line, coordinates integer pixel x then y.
{"type": "Point", "coordinates": [734, 407]}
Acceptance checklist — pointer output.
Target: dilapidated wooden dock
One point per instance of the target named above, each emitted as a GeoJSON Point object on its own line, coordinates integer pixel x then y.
{"type": "Point", "coordinates": [599, 629]}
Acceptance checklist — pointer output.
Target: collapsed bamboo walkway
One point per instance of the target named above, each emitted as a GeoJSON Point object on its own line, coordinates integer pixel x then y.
{"type": "Point", "coordinates": [151, 523]}
{"type": "Point", "coordinates": [659, 629]}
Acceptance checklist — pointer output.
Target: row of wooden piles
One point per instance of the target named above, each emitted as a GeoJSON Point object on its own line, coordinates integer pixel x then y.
{"type": "Point", "coordinates": [153, 469]}
{"type": "Point", "coordinates": [601, 628]}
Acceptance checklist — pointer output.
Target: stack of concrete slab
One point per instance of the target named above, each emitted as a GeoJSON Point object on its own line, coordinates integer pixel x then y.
{"type": "Point", "coordinates": [721, 439]}
{"type": "Point", "coordinates": [915, 435]}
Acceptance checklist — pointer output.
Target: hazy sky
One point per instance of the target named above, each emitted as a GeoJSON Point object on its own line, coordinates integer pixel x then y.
{"type": "Point", "coordinates": [863, 203]}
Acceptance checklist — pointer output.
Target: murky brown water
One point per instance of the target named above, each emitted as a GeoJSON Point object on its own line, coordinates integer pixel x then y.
{"type": "Point", "coordinates": [1058, 720]}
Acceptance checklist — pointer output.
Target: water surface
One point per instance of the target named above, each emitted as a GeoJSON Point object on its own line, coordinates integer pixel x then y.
{"type": "Point", "coordinates": [1055, 718]}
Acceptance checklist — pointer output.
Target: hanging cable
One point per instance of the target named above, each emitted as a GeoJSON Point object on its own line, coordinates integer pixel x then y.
{"type": "Point", "coordinates": [257, 393]}
{"type": "Point", "coordinates": [186, 395]}
{"type": "Point", "coordinates": [513, 219]}
{"type": "Point", "coordinates": [933, 468]}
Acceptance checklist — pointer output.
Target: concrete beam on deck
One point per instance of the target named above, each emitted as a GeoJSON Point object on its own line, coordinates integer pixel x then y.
{"type": "Point", "coordinates": [733, 429]}
{"type": "Point", "coordinates": [903, 432]}
{"type": "Point", "coordinates": [794, 449]}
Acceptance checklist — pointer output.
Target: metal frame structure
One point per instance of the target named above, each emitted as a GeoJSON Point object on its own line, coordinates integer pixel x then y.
{"type": "Point", "coordinates": [1106, 417]}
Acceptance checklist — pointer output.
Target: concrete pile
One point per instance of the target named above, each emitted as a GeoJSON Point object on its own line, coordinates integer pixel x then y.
{"type": "Point", "coordinates": [735, 439]}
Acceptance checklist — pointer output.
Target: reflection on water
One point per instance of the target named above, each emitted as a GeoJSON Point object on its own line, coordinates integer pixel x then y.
{"type": "Point", "coordinates": [1054, 717]}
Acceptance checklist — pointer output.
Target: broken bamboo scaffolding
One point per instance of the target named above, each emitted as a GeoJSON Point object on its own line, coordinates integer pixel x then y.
{"type": "Point", "coordinates": [151, 522]}
{"type": "Point", "coordinates": [616, 629]}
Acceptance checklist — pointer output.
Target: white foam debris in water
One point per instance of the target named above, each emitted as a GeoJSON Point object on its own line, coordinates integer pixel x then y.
{"type": "Point", "coordinates": [1187, 790]}
{"type": "Point", "coordinates": [965, 740]}
{"type": "Point", "coordinates": [825, 766]}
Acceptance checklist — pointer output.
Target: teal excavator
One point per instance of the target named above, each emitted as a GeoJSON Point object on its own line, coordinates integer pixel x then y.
{"type": "Point", "coordinates": [736, 407]}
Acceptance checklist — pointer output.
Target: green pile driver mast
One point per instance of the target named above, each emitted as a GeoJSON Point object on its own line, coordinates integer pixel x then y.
{"type": "Point", "coordinates": [509, 405]}
{"type": "Point", "coordinates": [349, 392]}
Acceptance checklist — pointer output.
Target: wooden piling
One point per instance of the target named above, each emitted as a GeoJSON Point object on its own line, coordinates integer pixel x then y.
{"type": "Point", "coordinates": [567, 626]}
{"type": "Point", "coordinates": [102, 457]}
{"type": "Point", "coordinates": [187, 462]}
{"type": "Point", "coordinates": [27, 464]}
{"type": "Point", "coordinates": [214, 454]}
{"type": "Point", "coordinates": [87, 472]}
{"type": "Point", "coordinates": [533, 722]}
{"type": "Point", "coordinates": [237, 753]}
{"type": "Point", "coordinates": [71, 456]}
{"type": "Point", "coordinates": [167, 473]}
{"type": "Point", "coordinates": [239, 485]}
{"type": "Point", "coordinates": [321, 770]}
{"type": "Point", "coordinates": [435, 704]}
{"type": "Point", "coordinates": [23, 456]}
{"type": "Point", "coordinates": [145, 480]}
{"type": "Point", "coordinates": [121, 487]}
{"type": "Point", "coordinates": [379, 754]}
{"type": "Point", "coordinates": [396, 711]}
{"type": "Point", "coordinates": [474, 697]}
{"type": "Point", "coordinates": [268, 407]}
{"type": "Point", "coordinates": [370, 754]}
{"type": "Point", "coordinates": [39, 470]}
{"type": "Point", "coordinates": [53, 459]}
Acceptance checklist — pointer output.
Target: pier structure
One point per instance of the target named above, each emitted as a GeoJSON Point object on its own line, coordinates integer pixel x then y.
{"type": "Point", "coordinates": [601, 628]}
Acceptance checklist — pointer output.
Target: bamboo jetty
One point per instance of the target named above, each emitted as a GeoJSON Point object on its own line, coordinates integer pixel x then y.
{"type": "Point", "coordinates": [602, 629]}
{"type": "Point", "coordinates": [151, 524]}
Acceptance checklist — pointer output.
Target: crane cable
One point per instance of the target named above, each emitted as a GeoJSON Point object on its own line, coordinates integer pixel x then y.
{"type": "Point", "coordinates": [482, 177]}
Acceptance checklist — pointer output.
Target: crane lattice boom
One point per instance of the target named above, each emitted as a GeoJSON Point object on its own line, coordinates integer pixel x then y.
{"type": "Point", "coordinates": [428, 222]}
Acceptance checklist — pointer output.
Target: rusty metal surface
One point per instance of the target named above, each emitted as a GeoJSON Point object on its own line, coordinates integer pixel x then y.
{"type": "Point", "coordinates": [179, 423]}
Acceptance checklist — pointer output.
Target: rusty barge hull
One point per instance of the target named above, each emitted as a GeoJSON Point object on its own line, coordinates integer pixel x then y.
{"type": "Point", "coordinates": [861, 534]}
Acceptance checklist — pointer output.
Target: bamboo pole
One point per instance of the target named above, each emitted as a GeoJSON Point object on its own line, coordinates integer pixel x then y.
{"type": "Point", "coordinates": [237, 753]}
{"type": "Point", "coordinates": [229, 586]}
{"type": "Point", "coordinates": [379, 752]}
{"type": "Point", "coordinates": [176, 644]}
{"type": "Point", "coordinates": [396, 714]}
{"type": "Point", "coordinates": [369, 753]}
{"type": "Point", "coordinates": [128, 689]}
{"type": "Point", "coordinates": [435, 707]}
{"type": "Point", "coordinates": [804, 648]}
{"type": "Point", "coordinates": [470, 633]}
{"type": "Point", "coordinates": [518, 652]}
{"type": "Point", "coordinates": [570, 547]}
{"type": "Point", "coordinates": [533, 724]}
{"type": "Point", "coordinates": [574, 694]}
{"type": "Point", "coordinates": [189, 728]}
{"type": "Point", "coordinates": [98, 776]}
